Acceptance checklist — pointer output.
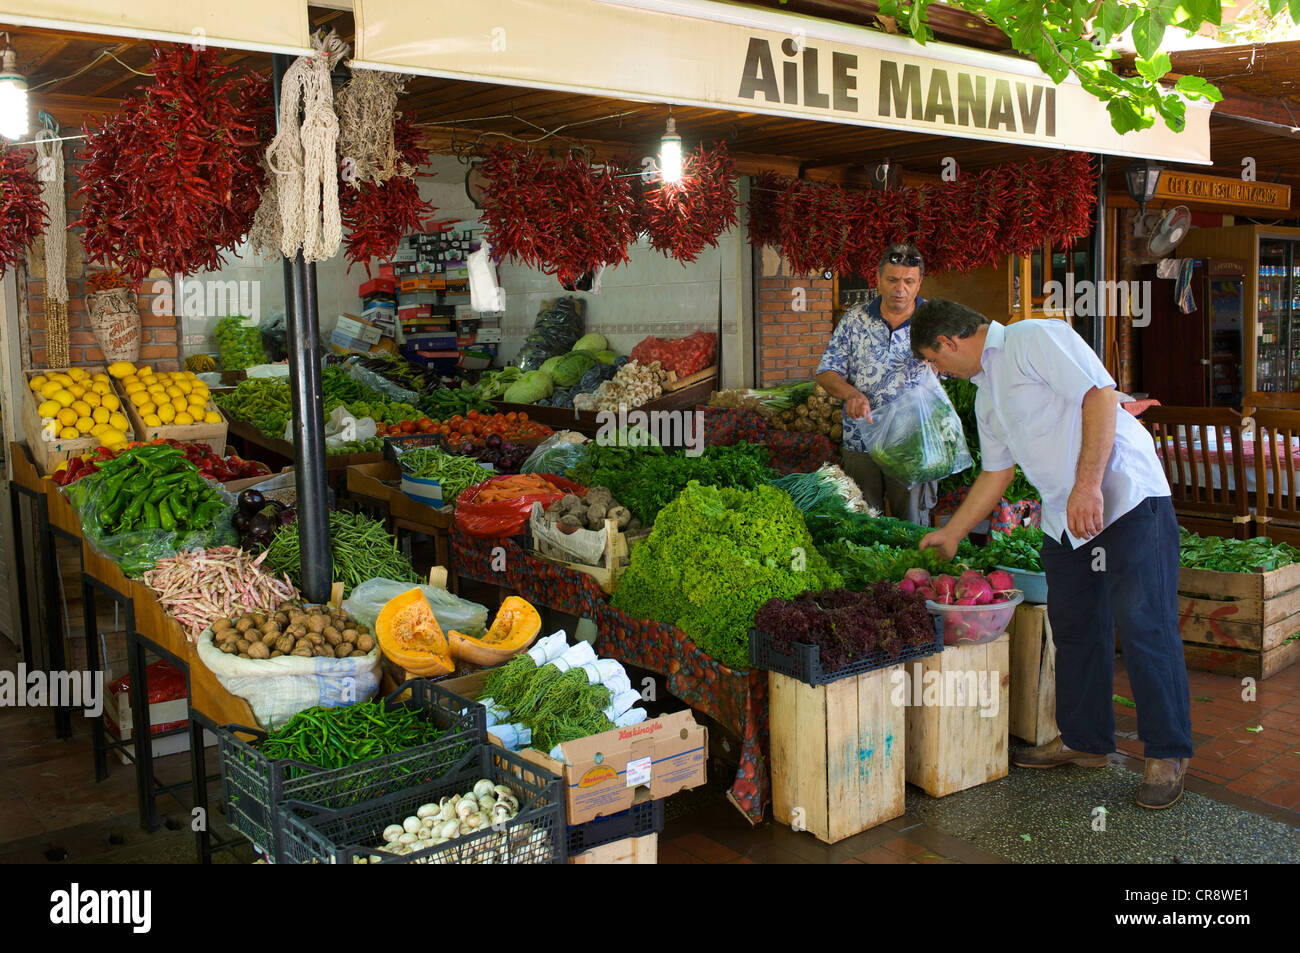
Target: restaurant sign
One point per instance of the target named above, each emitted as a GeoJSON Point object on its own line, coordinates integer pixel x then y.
{"type": "Point", "coordinates": [719, 55]}
{"type": "Point", "coordinates": [1220, 191]}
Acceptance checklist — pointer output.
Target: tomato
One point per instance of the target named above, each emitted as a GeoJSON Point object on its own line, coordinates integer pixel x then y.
{"type": "Point", "coordinates": [456, 420]}
{"type": "Point", "coordinates": [512, 416]}
{"type": "Point", "coordinates": [425, 424]}
{"type": "Point", "coordinates": [523, 417]}
{"type": "Point", "coordinates": [408, 426]}
{"type": "Point", "coordinates": [472, 415]}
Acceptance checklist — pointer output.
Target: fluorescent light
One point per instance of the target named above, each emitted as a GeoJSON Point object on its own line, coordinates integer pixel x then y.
{"type": "Point", "coordinates": [13, 98]}
{"type": "Point", "coordinates": [670, 154]}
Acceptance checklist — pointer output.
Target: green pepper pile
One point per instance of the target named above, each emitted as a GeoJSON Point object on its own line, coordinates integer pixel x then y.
{"type": "Point", "coordinates": [238, 346]}
{"type": "Point", "coordinates": [263, 402]}
{"type": "Point", "coordinates": [338, 737]}
{"type": "Point", "coordinates": [370, 445]}
{"type": "Point", "coordinates": [146, 488]}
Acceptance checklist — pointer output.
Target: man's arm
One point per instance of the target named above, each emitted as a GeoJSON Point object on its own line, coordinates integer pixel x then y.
{"type": "Point", "coordinates": [855, 402]}
{"type": "Point", "coordinates": [1085, 511]}
{"type": "Point", "coordinates": [984, 496]}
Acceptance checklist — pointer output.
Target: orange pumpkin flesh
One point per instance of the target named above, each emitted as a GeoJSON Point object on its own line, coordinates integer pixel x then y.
{"type": "Point", "coordinates": [409, 635]}
{"type": "Point", "coordinates": [513, 630]}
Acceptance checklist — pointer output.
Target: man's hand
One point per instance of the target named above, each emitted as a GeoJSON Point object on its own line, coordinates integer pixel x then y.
{"type": "Point", "coordinates": [1085, 511]}
{"type": "Point", "coordinates": [943, 540]}
{"type": "Point", "coordinates": [858, 406]}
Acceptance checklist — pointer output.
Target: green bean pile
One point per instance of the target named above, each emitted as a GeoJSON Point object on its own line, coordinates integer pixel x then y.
{"type": "Point", "coordinates": [361, 548]}
{"type": "Point", "coordinates": [338, 737]}
{"type": "Point", "coordinates": [454, 472]}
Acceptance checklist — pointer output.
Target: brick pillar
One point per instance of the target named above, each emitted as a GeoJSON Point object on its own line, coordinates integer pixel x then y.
{"type": "Point", "coordinates": [790, 342]}
{"type": "Point", "coordinates": [160, 337]}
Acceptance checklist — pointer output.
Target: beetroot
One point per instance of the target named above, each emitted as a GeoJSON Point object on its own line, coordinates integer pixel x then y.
{"type": "Point", "coordinates": [1001, 580]}
{"type": "Point", "coordinates": [907, 585]}
{"type": "Point", "coordinates": [918, 577]}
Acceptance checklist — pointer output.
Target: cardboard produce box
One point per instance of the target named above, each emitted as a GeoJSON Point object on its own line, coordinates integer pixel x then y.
{"type": "Point", "coordinates": [664, 755]}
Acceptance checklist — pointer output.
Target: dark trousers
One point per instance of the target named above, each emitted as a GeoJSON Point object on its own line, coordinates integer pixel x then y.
{"type": "Point", "coordinates": [1125, 577]}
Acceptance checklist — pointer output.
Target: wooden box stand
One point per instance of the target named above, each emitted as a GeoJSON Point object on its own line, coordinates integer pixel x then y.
{"type": "Point", "coordinates": [1033, 675]}
{"type": "Point", "coordinates": [629, 850]}
{"type": "Point", "coordinates": [837, 754]}
{"type": "Point", "coordinates": [1239, 623]}
{"type": "Point", "coordinates": [952, 746]}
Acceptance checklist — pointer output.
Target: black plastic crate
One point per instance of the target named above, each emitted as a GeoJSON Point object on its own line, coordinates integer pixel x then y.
{"type": "Point", "coordinates": [639, 820]}
{"type": "Point", "coordinates": [254, 785]}
{"type": "Point", "coordinates": [536, 835]}
{"type": "Point", "coordinates": [805, 662]}
{"type": "Point", "coordinates": [394, 447]}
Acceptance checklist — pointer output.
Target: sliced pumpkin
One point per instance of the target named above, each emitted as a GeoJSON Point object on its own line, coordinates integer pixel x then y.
{"type": "Point", "coordinates": [513, 630]}
{"type": "Point", "coordinates": [409, 635]}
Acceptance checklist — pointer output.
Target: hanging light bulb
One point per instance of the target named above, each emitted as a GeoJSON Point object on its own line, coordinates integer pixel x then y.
{"type": "Point", "coordinates": [670, 153]}
{"type": "Point", "coordinates": [13, 96]}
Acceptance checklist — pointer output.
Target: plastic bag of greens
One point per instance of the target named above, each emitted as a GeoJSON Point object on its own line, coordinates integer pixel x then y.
{"type": "Point", "coordinates": [917, 437]}
{"type": "Point", "coordinates": [451, 611]}
{"type": "Point", "coordinates": [556, 454]}
{"type": "Point", "coordinates": [239, 344]}
{"type": "Point", "coordinates": [558, 327]}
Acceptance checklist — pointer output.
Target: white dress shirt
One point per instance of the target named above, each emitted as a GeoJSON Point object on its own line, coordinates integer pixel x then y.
{"type": "Point", "coordinates": [1029, 408]}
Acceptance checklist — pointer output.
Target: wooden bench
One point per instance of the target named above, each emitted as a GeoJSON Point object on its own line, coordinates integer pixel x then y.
{"type": "Point", "coordinates": [1193, 468]}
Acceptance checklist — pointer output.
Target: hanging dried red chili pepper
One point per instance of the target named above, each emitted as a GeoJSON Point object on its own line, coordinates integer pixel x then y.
{"type": "Point", "coordinates": [171, 180]}
{"type": "Point", "coordinates": [22, 211]}
{"type": "Point", "coordinates": [683, 218]}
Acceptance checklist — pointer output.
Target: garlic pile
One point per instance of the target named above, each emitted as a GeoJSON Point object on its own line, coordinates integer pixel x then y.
{"type": "Point", "coordinates": [634, 384]}
{"type": "Point", "coordinates": [488, 806]}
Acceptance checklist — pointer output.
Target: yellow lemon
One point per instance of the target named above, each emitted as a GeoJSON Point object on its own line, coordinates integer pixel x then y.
{"type": "Point", "coordinates": [148, 407]}
{"type": "Point", "coordinates": [185, 387]}
{"type": "Point", "coordinates": [64, 397]}
{"type": "Point", "coordinates": [139, 397]}
{"type": "Point", "coordinates": [130, 379]}
{"type": "Point", "coordinates": [152, 420]}
{"type": "Point", "coordinates": [180, 403]}
{"type": "Point", "coordinates": [50, 388]}
{"type": "Point", "coordinates": [118, 422]}
{"type": "Point", "coordinates": [143, 369]}
{"type": "Point", "coordinates": [37, 382]}
{"type": "Point", "coordinates": [112, 438]}
{"type": "Point", "coordinates": [63, 379]}
{"type": "Point", "coordinates": [49, 408]}
{"type": "Point", "coordinates": [183, 418]}
{"type": "Point", "coordinates": [134, 387]}
{"type": "Point", "coordinates": [174, 391]}
{"type": "Point", "coordinates": [101, 388]}
{"type": "Point", "coordinates": [166, 413]}
{"type": "Point", "coordinates": [157, 389]}
{"type": "Point", "coordinates": [100, 414]}
{"type": "Point", "coordinates": [212, 417]}
{"type": "Point", "coordinates": [77, 391]}
{"type": "Point", "coordinates": [84, 424]}
{"type": "Point", "coordinates": [78, 373]}
{"type": "Point", "coordinates": [66, 416]}
{"type": "Point", "coordinates": [111, 402]}
{"type": "Point", "coordinates": [98, 429]}
{"type": "Point", "coordinates": [120, 369]}
{"type": "Point", "coordinates": [151, 379]}
{"type": "Point", "coordinates": [81, 407]}
{"type": "Point", "coordinates": [101, 378]}
{"type": "Point", "coordinates": [69, 433]}
{"type": "Point", "coordinates": [91, 398]}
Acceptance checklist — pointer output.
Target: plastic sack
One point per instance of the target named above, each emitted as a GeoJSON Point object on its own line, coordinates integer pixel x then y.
{"type": "Point", "coordinates": [451, 611]}
{"type": "Point", "coordinates": [586, 546]}
{"type": "Point", "coordinates": [506, 517]}
{"type": "Point", "coordinates": [382, 384]}
{"type": "Point", "coordinates": [340, 428]}
{"type": "Point", "coordinates": [239, 345]}
{"type": "Point", "coordinates": [558, 453]}
{"type": "Point", "coordinates": [558, 326]}
{"type": "Point", "coordinates": [278, 688]}
{"type": "Point", "coordinates": [918, 437]}
{"type": "Point", "coordinates": [485, 294]}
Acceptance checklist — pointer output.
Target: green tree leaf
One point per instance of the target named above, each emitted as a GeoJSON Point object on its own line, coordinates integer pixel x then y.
{"type": "Point", "coordinates": [1147, 34]}
{"type": "Point", "coordinates": [1274, 6]}
{"type": "Point", "coordinates": [1198, 87]}
{"type": "Point", "coordinates": [1153, 68]}
{"type": "Point", "coordinates": [1294, 9]}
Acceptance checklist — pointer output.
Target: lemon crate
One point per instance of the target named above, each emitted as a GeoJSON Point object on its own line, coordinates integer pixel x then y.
{"type": "Point", "coordinates": [212, 434]}
{"type": "Point", "coordinates": [48, 454]}
{"type": "Point", "coordinates": [536, 835]}
{"type": "Point", "coordinates": [255, 786]}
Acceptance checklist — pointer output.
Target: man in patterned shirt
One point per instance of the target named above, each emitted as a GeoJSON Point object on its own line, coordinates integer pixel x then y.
{"type": "Point", "coordinates": [869, 363]}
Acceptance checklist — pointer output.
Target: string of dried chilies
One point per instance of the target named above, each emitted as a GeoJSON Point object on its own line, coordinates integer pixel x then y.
{"type": "Point", "coordinates": [21, 209]}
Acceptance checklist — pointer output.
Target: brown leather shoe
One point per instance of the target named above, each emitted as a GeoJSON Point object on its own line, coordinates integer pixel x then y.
{"type": "Point", "coordinates": [1054, 754]}
{"type": "Point", "coordinates": [1162, 782]}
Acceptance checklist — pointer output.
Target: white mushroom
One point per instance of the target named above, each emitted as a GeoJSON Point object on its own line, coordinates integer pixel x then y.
{"type": "Point", "coordinates": [483, 788]}
{"type": "Point", "coordinates": [427, 810]}
{"type": "Point", "coordinates": [407, 839]}
{"type": "Point", "coordinates": [411, 825]}
{"type": "Point", "coordinates": [392, 832]}
{"type": "Point", "coordinates": [465, 808]}
{"type": "Point", "coordinates": [449, 830]}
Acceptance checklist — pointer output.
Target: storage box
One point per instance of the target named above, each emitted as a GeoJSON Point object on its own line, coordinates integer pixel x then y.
{"type": "Point", "coordinates": [214, 435]}
{"type": "Point", "coordinates": [353, 327]}
{"type": "Point", "coordinates": [48, 454]}
{"type": "Point", "coordinates": [630, 850]}
{"type": "Point", "coordinates": [163, 716]}
{"type": "Point", "coordinates": [666, 754]}
{"type": "Point", "coordinates": [1033, 675]}
{"type": "Point", "coordinates": [1239, 623]}
{"type": "Point", "coordinates": [951, 744]}
{"type": "Point", "coordinates": [837, 754]}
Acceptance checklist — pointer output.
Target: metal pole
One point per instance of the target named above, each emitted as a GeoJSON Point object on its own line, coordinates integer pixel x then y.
{"type": "Point", "coordinates": [302, 328]}
{"type": "Point", "coordinates": [1099, 264]}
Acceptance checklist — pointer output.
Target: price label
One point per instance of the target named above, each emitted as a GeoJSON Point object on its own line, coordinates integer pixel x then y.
{"type": "Point", "coordinates": [638, 772]}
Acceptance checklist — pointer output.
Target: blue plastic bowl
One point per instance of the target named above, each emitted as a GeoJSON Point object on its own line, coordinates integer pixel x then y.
{"type": "Point", "coordinates": [1032, 584]}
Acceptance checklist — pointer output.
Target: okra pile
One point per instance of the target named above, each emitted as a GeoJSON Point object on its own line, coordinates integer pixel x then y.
{"type": "Point", "coordinates": [146, 488]}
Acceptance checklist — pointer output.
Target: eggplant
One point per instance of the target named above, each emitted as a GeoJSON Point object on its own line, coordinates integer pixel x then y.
{"type": "Point", "coordinates": [287, 515]}
{"type": "Point", "coordinates": [494, 441]}
{"type": "Point", "coordinates": [240, 523]}
{"type": "Point", "coordinates": [251, 502]}
{"type": "Point", "coordinates": [259, 529]}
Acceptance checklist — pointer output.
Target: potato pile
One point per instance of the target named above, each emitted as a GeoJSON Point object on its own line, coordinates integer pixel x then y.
{"type": "Point", "coordinates": [591, 511]}
{"type": "Point", "coordinates": [820, 413]}
{"type": "Point", "coordinates": [293, 629]}
{"type": "Point", "coordinates": [742, 399]}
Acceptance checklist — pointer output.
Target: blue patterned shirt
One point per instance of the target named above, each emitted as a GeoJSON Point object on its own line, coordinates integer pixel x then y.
{"type": "Point", "coordinates": [874, 358]}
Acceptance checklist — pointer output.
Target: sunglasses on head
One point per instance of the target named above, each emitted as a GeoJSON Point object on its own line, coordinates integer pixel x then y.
{"type": "Point", "coordinates": [904, 258]}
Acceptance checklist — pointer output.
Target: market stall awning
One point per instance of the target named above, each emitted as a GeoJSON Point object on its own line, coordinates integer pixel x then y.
{"type": "Point", "coordinates": [709, 54]}
{"type": "Point", "coordinates": [275, 26]}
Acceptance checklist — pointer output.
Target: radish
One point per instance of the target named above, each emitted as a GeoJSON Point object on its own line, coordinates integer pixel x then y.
{"type": "Point", "coordinates": [968, 601]}
{"type": "Point", "coordinates": [907, 585]}
{"type": "Point", "coordinates": [976, 588]}
{"type": "Point", "coordinates": [918, 577]}
{"type": "Point", "coordinates": [927, 593]}
{"type": "Point", "coordinates": [946, 588]}
{"type": "Point", "coordinates": [1001, 580]}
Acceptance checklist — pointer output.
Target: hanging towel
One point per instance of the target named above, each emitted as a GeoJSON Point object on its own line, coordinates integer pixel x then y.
{"type": "Point", "coordinates": [1180, 270]}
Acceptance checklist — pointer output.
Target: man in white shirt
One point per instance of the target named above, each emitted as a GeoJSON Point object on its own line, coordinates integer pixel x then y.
{"type": "Point", "coordinates": [1110, 552]}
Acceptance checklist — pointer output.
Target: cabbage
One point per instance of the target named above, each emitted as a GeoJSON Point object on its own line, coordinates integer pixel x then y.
{"type": "Point", "coordinates": [569, 369]}
{"type": "Point", "coordinates": [548, 365]}
{"type": "Point", "coordinates": [605, 356]}
{"type": "Point", "coordinates": [533, 386]}
{"type": "Point", "coordinates": [591, 342]}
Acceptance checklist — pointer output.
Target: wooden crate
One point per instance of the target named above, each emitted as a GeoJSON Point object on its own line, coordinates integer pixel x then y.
{"type": "Point", "coordinates": [49, 454]}
{"type": "Point", "coordinates": [1239, 623]}
{"type": "Point", "coordinates": [1033, 675]}
{"type": "Point", "coordinates": [953, 747]}
{"type": "Point", "coordinates": [617, 556]}
{"type": "Point", "coordinates": [629, 850]}
{"type": "Point", "coordinates": [837, 754]}
{"type": "Point", "coordinates": [214, 435]}
{"type": "Point", "coordinates": [708, 374]}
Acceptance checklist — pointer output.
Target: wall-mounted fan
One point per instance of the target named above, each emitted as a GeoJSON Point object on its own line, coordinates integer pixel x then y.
{"type": "Point", "coordinates": [1169, 231]}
